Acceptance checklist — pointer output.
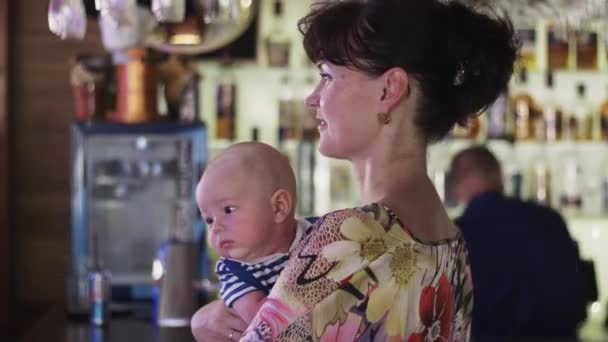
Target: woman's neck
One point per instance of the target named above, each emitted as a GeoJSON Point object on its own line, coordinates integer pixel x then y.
{"type": "Point", "coordinates": [379, 174]}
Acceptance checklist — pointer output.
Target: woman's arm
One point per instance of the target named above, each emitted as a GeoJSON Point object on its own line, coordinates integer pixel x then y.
{"type": "Point", "coordinates": [215, 322]}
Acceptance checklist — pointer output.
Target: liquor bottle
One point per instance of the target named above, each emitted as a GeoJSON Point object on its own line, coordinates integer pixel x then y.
{"type": "Point", "coordinates": [306, 155]}
{"type": "Point", "coordinates": [603, 117]}
{"type": "Point", "coordinates": [287, 117]}
{"type": "Point", "coordinates": [605, 188]}
{"type": "Point", "coordinates": [527, 54]}
{"type": "Point", "coordinates": [551, 112]}
{"type": "Point", "coordinates": [586, 50]}
{"type": "Point", "coordinates": [226, 104]}
{"type": "Point", "coordinates": [513, 177]}
{"type": "Point", "coordinates": [523, 107]}
{"type": "Point", "coordinates": [499, 123]}
{"type": "Point", "coordinates": [571, 200]}
{"type": "Point", "coordinates": [305, 113]}
{"type": "Point", "coordinates": [469, 130]}
{"type": "Point", "coordinates": [558, 47]}
{"type": "Point", "coordinates": [541, 182]}
{"type": "Point", "coordinates": [255, 134]}
{"type": "Point", "coordinates": [190, 98]}
{"type": "Point", "coordinates": [581, 121]}
{"type": "Point", "coordinates": [277, 42]}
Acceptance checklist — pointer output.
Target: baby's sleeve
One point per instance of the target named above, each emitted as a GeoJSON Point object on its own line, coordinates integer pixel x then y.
{"type": "Point", "coordinates": [232, 288]}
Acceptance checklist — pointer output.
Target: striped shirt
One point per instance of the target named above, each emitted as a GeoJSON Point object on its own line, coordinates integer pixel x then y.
{"type": "Point", "coordinates": [266, 271]}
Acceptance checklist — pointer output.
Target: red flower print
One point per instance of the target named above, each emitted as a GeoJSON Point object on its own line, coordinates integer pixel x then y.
{"type": "Point", "coordinates": [436, 312]}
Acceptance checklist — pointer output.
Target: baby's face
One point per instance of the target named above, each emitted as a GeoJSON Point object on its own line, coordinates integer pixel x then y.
{"type": "Point", "coordinates": [238, 215]}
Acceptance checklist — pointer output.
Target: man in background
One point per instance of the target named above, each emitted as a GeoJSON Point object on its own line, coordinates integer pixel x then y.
{"type": "Point", "coordinates": [524, 264]}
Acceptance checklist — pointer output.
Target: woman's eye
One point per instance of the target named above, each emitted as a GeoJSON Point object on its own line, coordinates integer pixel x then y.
{"type": "Point", "coordinates": [325, 76]}
{"type": "Point", "coordinates": [228, 210]}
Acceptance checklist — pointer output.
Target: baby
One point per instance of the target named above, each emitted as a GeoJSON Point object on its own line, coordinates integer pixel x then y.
{"type": "Point", "coordinates": [247, 199]}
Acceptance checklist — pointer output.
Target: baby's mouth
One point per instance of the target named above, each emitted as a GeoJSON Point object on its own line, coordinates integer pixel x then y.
{"type": "Point", "coordinates": [226, 243]}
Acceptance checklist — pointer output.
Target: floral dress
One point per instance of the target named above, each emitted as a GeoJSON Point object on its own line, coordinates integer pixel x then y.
{"type": "Point", "coordinates": [359, 275]}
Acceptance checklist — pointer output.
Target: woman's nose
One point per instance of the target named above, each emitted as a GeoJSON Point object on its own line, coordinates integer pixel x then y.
{"type": "Point", "coordinates": [312, 100]}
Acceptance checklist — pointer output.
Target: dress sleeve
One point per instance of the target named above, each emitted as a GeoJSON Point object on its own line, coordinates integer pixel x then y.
{"type": "Point", "coordinates": [306, 281]}
{"type": "Point", "coordinates": [232, 288]}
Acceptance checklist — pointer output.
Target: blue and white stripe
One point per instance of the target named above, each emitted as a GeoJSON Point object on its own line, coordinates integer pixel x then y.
{"type": "Point", "coordinates": [266, 272]}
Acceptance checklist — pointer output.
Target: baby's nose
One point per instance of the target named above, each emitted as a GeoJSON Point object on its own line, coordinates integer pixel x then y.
{"type": "Point", "coordinates": [217, 226]}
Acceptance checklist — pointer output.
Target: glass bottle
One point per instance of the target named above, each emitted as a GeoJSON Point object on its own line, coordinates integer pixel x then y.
{"type": "Point", "coordinates": [570, 199]}
{"type": "Point", "coordinates": [605, 187]}
{"type": "Point", "coordinates": [581, 122]}
{"type": "Point", "coordinates": [586, 50]}
{"type": "Point", "coordinates": [499, 123]}
{"type": "Point", "coordinates": [527, 53]}
{"type": "Point", "coordinates": [226, 104]}
{"type": "Point", "coordinates": [277, 42]}
{"type": "Point", "coordinates": [514, 178]}
{"type": "Point", "coordinates": [603, 117]}
{"type": "Point", "coordinates": [468, 130]}
{"type": "Point", "coordinates": [287, 124]}
{"type": "Point", "coordinates": [306, 155]}
{"type": "Point", "coordinates": [523, 107]}
{"type": "Point", "coordinates": [541, 182]}
{"type": "Point", "coordinates": [307, 114]}
{"type": "Point", "coordinates": [558, 47]}
{"type": "Point", "coordinates": [190, 98]}
{"type": "Point", "coordinates": [551, 112]}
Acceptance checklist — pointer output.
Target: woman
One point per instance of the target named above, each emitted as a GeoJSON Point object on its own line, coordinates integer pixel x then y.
{"type": "Point", "coordinates": [396, 75]}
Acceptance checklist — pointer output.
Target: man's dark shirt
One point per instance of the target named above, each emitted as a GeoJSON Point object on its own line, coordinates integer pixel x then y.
{"type": "Point", "coordinates": [524, 266]}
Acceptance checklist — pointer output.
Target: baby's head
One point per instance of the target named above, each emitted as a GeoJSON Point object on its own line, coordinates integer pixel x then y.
{"type": "Point", "coordinates": [247, 199]}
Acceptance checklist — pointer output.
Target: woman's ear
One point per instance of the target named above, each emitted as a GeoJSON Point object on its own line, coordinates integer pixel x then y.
{"type": "Point", "coordinates": [396, 87]}
{"type": "Point", "coordinates": [282, 205]}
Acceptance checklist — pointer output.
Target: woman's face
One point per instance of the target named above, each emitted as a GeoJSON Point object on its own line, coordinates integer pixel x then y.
{"type": "Point", "coordinates": [347, 103]}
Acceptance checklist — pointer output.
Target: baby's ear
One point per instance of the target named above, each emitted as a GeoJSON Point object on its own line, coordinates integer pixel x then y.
{"type": "Point", "coordinates": [282, 205]}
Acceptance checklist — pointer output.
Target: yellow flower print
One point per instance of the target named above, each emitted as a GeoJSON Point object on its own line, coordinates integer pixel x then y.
{"type": "Point", "coordinates": [395, 273]}
{"type": "Point", "coordinates": [336, 306]}
{"type": "Point", "coordinates": [366, 240]}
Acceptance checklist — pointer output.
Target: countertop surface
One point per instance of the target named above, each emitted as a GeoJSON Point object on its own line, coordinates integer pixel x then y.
{"type": "Point", "coordinates": [54, 326]}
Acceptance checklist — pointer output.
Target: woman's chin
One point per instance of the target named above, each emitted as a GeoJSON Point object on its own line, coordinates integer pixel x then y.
{"type": "Point", "coordinates": [330, 150]}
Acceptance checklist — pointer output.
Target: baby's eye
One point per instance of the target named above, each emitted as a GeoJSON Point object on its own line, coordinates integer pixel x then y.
{"type": "Point", "coordinates": [209, 221]}
{"type": "Point", "coordinates": [229, 210]}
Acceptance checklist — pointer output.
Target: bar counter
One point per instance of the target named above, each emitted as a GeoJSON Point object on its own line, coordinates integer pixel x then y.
{"type": "Point", "coordinates": [54, 326]}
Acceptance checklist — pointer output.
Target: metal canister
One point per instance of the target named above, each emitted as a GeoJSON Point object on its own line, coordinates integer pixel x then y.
{"type": "Point", "coordinates": [99, 296]}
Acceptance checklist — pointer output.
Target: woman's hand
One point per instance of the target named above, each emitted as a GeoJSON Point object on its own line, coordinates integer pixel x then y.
{"type": "Point", "coordinates": [216, 322]}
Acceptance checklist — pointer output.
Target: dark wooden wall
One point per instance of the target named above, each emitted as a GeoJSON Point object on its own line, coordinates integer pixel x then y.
{"type": "Point", "coordinates": [39, 118]}
{"type": "Point", "coordinates": [4, 227]}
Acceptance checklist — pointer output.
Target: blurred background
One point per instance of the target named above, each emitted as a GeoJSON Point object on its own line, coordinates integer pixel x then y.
{"type": "Point", "coordinates": [110, 109]}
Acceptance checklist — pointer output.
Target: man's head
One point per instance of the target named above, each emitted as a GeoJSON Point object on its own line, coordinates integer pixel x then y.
{"type": "Point", "coordinates": [474, 170]}
{"type": "Point", "coordinates": [247, 199]}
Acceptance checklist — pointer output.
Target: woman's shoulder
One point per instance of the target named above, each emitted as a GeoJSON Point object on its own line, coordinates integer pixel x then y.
{"type": "Point", "coordinates": [373, 211]}
{"type": "Point", "coordinates": [378, 214]}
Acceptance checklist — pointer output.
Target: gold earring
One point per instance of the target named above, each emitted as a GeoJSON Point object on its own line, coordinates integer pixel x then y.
{"type": "Point", "coordinates": [384, 118]}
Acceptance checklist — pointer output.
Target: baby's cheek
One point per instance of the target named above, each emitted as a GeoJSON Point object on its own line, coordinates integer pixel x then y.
{"type": "Point", "coordinates": [210, 239]}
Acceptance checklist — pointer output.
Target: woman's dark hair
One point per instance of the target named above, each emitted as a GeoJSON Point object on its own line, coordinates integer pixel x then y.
{"type": "Point", "coordinates": [461, 57]}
